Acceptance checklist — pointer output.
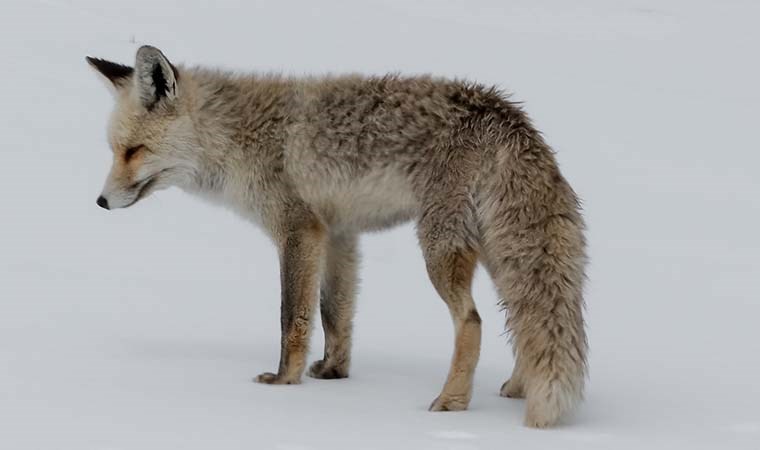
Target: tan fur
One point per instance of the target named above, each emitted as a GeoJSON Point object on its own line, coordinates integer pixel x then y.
{"type": "Point", "coordinates": [316, 161]}
{"type": "Point", "coordinates": [451, 273]}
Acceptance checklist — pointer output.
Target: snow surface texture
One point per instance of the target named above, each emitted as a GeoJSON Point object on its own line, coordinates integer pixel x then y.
{"type": "Point", "coordinates": [142, 328]}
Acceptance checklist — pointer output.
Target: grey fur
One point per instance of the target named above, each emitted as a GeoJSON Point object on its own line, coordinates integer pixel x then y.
{"type": "Point", "coordinates": [315, 161]}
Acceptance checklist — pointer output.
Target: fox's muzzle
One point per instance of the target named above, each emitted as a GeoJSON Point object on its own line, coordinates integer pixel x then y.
{"type": "Point", "coordinates": [115, 195]}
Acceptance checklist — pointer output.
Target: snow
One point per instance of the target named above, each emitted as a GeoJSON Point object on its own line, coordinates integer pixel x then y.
{"type": "Point", "coordinates": [142, 328]}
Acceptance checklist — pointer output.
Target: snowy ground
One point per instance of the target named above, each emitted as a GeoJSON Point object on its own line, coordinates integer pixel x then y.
{"type": "Point", "coordinates": [142, 328]}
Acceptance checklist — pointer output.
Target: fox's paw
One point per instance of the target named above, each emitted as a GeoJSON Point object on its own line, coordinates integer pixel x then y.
{"type": "Point", "coordinates": [273, 378]}
{"type": "Point", "coordinates": [449, 403]}
{"type": "Point", "coordinates": [512, 389]}
{"type": "Point", "coordinates": [540, 417]}
{"type": "Point", "coordinates": [325, 371]}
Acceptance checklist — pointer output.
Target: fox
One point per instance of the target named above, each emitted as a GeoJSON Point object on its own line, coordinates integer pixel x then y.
{"type": "Point", "coordinates": [316, 161]}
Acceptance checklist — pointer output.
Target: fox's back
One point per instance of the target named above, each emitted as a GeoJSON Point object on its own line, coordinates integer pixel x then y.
{"type": "Point", "coordinates": [363, 150]}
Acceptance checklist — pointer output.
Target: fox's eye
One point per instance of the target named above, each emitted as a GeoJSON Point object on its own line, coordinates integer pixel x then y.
{"type": "Point", "coordinates": [131, 152]}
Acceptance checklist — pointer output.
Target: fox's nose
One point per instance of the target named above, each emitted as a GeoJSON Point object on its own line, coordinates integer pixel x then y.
{"type": "Point", "coordinates": [102, 202]}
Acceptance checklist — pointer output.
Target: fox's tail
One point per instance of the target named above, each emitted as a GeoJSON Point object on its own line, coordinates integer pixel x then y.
{"type": "Point", "coordinates": [532, 233]}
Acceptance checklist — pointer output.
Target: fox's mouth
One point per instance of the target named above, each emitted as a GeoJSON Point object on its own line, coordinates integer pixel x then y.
{"type": "Point", "coordinates": [143, 186]}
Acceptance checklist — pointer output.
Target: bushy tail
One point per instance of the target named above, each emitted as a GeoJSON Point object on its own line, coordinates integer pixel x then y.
{"type": "Point", "coordinates": [534, 247]}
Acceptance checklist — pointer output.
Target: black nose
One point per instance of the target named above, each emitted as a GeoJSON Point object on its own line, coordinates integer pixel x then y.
{"type": "Point", "coordinates": [102, 202]}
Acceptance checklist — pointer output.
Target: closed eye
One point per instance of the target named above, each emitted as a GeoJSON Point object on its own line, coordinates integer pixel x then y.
{"type": "Point", "coordinates": [130, 152]}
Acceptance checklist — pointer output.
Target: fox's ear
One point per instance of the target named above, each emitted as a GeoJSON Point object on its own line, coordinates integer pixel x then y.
{"type": "Point", "coordinates": [156, 78]}
{"type": "Point", "coordinates": [118, 74]}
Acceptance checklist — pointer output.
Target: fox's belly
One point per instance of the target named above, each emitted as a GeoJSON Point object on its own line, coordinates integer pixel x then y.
{"type": "Point", "coordinates": [374, 201]}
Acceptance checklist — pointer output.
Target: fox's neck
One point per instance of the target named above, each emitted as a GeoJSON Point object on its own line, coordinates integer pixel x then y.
{"type": "Point", "coordinates": [236, 118]}
{"type": "Point", "coordinates": [237, 105]}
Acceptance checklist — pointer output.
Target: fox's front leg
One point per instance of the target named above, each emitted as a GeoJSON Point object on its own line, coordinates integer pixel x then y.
{"type": "Point", "coordinates": [337, 295]}
{"type": "Point", "coordinates": [301, 254]}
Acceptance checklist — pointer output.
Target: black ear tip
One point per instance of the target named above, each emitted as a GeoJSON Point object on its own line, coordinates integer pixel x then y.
{"type": "Point", "coordinates": [111, 70]}
{"type": "Point", "coordinates": [97, 63]}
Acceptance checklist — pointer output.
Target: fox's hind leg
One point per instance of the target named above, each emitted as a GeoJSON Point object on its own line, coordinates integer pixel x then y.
{"type": "Point", "coordinates": [451, 257]}
{"type": "Point", "coordinates": [451, 272]}
{"type": "Point", "coordinates": [337, 296]}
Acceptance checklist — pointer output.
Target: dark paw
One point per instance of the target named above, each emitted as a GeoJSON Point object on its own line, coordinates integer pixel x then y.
{"type": "Point", "coordinates": [319, 369]}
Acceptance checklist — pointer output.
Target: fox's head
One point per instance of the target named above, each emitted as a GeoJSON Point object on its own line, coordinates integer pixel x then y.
{"type": "Point", "coordinates": [150, 133]}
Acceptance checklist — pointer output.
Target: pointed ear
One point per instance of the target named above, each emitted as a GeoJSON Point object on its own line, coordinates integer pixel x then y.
{"type": "Point", "coordinates": [118, 74]}
{"type": "Point", "coordinates": [155, 77]}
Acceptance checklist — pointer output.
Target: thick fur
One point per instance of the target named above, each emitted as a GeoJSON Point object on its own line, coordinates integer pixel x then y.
{"type": "Point", "coordinates": [316, 161]}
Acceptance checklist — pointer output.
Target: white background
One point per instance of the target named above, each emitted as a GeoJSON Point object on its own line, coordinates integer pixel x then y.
{"type": "Point", "coordinates": [142, 328]}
